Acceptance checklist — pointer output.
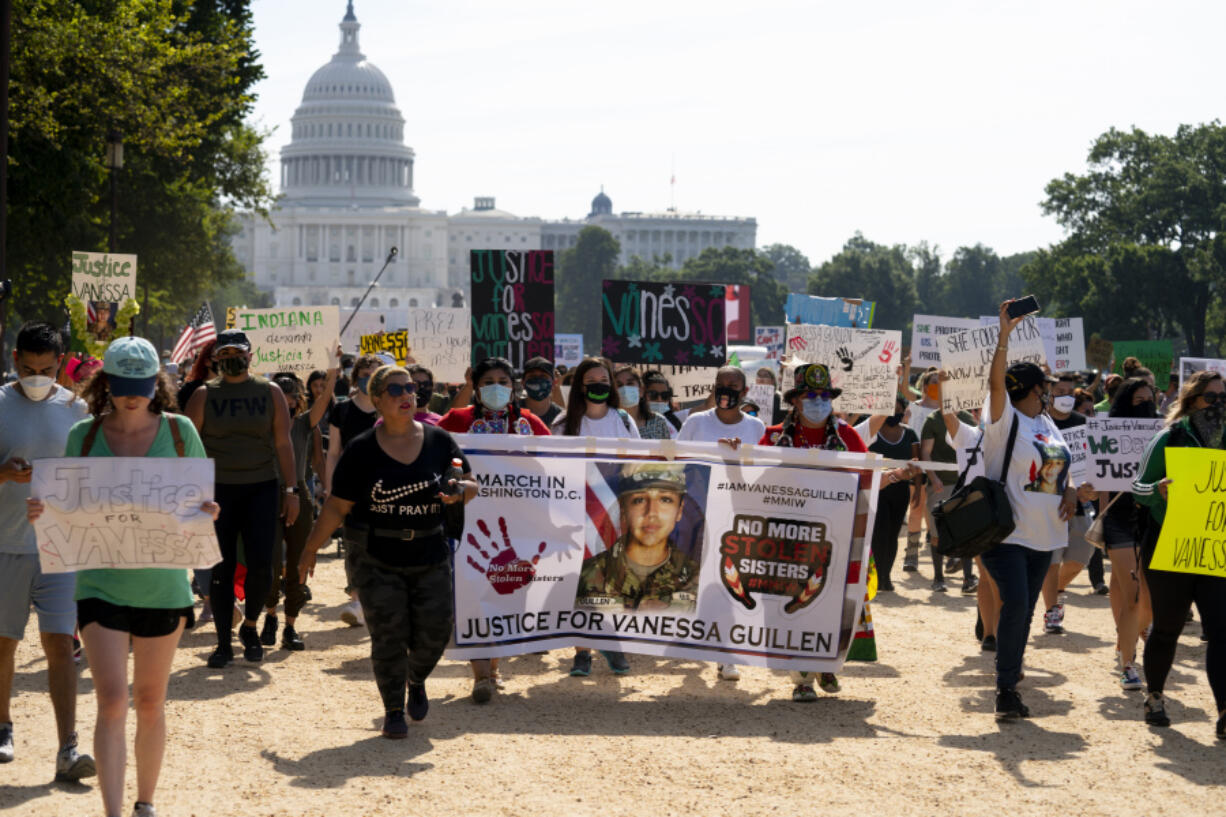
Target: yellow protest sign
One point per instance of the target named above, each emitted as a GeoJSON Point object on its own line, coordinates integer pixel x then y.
{"type": "Point", "coordinates": [394, 343]}
{"type": "Point", "coordinates": [231, 317]}
{"type": "Point", "coordinates": [1193, 538]}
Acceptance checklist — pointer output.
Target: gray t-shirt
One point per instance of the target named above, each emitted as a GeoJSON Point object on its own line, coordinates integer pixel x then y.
{"type": "Point", "coordinates": [31, 431]}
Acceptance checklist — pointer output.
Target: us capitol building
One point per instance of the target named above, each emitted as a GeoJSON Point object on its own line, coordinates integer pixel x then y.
{"type": "Point", "coordinates": [347, 198]}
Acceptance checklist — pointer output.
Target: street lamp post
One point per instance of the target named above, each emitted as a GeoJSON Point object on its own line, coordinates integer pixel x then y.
{"type": "Point", "coordinates": [114, 161]}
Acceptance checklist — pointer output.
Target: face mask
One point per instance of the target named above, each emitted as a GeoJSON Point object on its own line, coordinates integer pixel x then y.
{"type": "Point", "coordinates": [815, 409]}
{"type": "Point", "coordinates": [538, 388]}
{"type": "Point", "coordinates": [1213, 414]}
{"type": "Point", "coordinates": [37, 386]}
{"type": "Point", "coordinates": [597, 392]}
{"type": "Point", "coordinates": [893, 420]}
{"type": "Point", "coordinates": [495, 396]}
{"type": "Point", "coordinates": [362, 383]}
{"type": "Point", "coordinates": [629, 395]}
{"type": "Point", "coordinates": [232, 366]}
{"type": "Point", "coordinates": [932, 391]}
{"type": "Point", "coordinates": [1145, 409]}
{"type": "Point", "coordinates": [658, 408]}
{"type": "Point", "coordinates": [1064, 403]}
{"type": "Point", "coordinates": [726, 397]}
{"type": "Point", "coordinates": [347, 371]}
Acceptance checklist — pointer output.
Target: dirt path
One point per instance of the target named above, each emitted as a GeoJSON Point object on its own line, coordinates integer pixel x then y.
{"type": "Point", "coordinates": [912, 734]}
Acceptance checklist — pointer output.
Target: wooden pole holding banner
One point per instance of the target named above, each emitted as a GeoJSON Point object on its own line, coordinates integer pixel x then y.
{"type": "Point", "coordinates": [6, 14]}
{"type": "Point", "coordinates": [391, 255]}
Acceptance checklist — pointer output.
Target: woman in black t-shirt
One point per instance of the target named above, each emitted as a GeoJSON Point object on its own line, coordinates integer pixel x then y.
{"type": "Point", "coordinates": [390, 488]}
{"type": "Point", "coordinates": [891, 437]}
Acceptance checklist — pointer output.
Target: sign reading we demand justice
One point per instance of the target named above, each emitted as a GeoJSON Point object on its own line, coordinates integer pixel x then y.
{"type": "Point", "coordinates": [753, 560]}
{"type": "Point", "coordinates": [123, 512]}
{"type": "Point", "coordinates": [103, 277]}
{"type": "Point", "coordinates": [512, 305]}
{"type": "Point", "coordinates": [290, 339]}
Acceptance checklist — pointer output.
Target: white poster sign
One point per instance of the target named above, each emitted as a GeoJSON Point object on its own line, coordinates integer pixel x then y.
{"type": "Point", "coordinates": [104, 277]}
{"type": "Point", "coordinates": [1189, 366]}
{"type": "Point", "coordinates": [1076, 439]}
{"type": "Point", "coordinates": [863, 363]}
{"type": "Point", "coordinates": [123, 512]}
{"type": "Point", "coordinates": [772, 338]}
{"type": "Point", "coordinates": [439, 339]}
{"type": "Point", "coordinates": [926, 332]}
{"type": "Point", "coordinates": [290, 338]}
{"type": "Point", "coordinates": [967, 355]}
{"type": "Point", "coordinates": [567, 349]}
{"type": "Point", "coordinates": [1064, 343]}
{"type": "Point", "coordinates": [1115, 446]}
{"type": "Point", "coordinates": [365, 322]}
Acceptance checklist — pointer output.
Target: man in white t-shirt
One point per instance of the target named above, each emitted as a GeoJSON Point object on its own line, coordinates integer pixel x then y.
{"type": "Point", "coordinates": [727, 424]}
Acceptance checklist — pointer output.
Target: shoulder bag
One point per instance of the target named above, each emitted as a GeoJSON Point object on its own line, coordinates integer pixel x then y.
{"type": "Point", "coordinates": [978, 516]}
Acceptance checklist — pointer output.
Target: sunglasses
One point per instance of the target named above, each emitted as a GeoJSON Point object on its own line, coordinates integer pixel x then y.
{"type": "Point", "coordinates": [399, 389]}
{"type": "Point", "coordinates": [1212, 397]}
{"type": "Point", "coordinates": [813, 395]}
{"type": "Point", "coordinates": [659, 395]}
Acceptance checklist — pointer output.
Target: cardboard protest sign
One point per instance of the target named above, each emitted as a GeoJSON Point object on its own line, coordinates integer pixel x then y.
{"type": "Point", "coordinates": [757, 557]}
{"type": "Point", "coordinates": [862, 363]}
{"type": "Point", "coordinates": [690, 383]}
{"type": "Point", "coordinates": [1114, 447]}
{"type": "Point", "coordinates": [290, 338]}
{"type": "Point", "coordinates": [105, 277]}
{"type": "Point", "coordinates": [655, 322]}
{"type": "Point", "coordinates": [123, 512]}
{"type": "Point", "coordinates": [1189, 366]}
{"type": "Point", "coordinates": [512, 305]}
{"type": "Point", "coordinates": [926, 332]}
{"type": "Point", "coordinates": [1063, 343]}
{"type": "Point", "coordinates": [772, 338]}
{"type": "Point", "coordinates": [736, 313]}
{"type": "Point", "coordinates": [364, 322]}
{"type": "Point", "coordinates": [1099, 353]}
{"type": "Point", "coordinates": [439, 338]}
{"type": "Point", "coordinates": [967, 355]}
{"type": "Point", "coordinates": [1076, 440]}
{"type": "Point", "coordinates": [849, 312]}
{"type": "Point", "coordinates": [568, 350]}
{"type": "Point", "coordinates": [394, 343]}
{"type": "Point", "coordinates": [762, 395]}
{"type": "Point", "coordinates": [1155, 355]}
{"type": "Point", "coordinates": [1193, 537]}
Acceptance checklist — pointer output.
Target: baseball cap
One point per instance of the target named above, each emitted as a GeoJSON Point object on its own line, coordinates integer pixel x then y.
{"type": "Point", "coordinates": [1022, 377]}
{"type": "Point", "coordinates": [810, 377]}
{"type": "Point", "coordinates": [643, 476]}
{"type": "Point", "coordinates": [131, 366]}
{"type": "Point", "coordinates": [538, 364]}
{"type": "Point", "coordinates": [235, 338]}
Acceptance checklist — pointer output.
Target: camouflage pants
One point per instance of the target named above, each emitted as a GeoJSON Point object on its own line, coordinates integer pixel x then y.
{"type": "Point", "coordinates": [409, 612]}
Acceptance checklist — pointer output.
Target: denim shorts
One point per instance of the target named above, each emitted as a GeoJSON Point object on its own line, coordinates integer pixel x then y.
{"type": "Point", "coordinates": [23, 585]}
{"type": "Point", "coordinates": [1118, 534]}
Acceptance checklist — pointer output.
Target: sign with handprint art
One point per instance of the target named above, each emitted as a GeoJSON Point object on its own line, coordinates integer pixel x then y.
{"type": "Point", "coordinates": [608, 547]}
{"type": "Point", "coordinates": [863, 363]}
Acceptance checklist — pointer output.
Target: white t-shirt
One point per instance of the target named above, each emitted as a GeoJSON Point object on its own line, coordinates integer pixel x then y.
{"type": "Point", "coordinates": [611, 426]}
{"type": "Point", "coordinates": [919, 413]}
{"type": "Point", "coordinates": [1037, 476]}
{"type": "Point", "coordinates": [705, 427]}
{"type": "Point", "coordinates": [963, 444]}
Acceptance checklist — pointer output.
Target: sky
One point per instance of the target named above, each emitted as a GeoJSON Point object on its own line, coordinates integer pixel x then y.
{"type": "Point", "coordinates": [908, 122]}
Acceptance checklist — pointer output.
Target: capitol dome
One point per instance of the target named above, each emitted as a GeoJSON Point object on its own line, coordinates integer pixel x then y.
{"type": "Point", "coordinates": [347, 146]}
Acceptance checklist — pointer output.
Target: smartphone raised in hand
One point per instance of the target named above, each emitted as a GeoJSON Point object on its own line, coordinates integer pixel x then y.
{"type": "Point", "coordinates": [1022, 306]}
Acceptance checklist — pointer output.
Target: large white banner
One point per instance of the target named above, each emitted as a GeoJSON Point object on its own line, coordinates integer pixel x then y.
{"type": "Point", "coordinates": [1114, 447]}
{"type": "Point", "coordinates": [123, 512]}
{"type": "Point", "coordinates": [926, 332]}
{"type": "Point", "coordinates": [862, 362]}
{"type": "Point", "coordinates": [439, 339]}
{"type": "Point", "coordinates": [290, 338]}
{"type": "Point", "coordinates": [967, 355]}
{"type": "Point", "coordinates": [756, 562]}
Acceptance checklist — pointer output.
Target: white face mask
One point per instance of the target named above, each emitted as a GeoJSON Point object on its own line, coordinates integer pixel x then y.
{"type": "Point", "coordinates": [37, 386]}
{"type": "Point", "coordinates": [1064, 403]}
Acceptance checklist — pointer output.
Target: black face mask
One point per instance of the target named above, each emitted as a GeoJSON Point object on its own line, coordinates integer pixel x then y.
{"type": "Point", "coordinates": [424, 392]}
{"type": "Point", "coordinates": [538, 388]}
{"type": "Point", "coordinates": [597, 392]}
{"type": "Point", "coordinates": [727, 397]}
{"type": "Point", "coordinates": [232, 366]}
{"type": "Point", "coordinates": [893, 420]}
{"type": "Point", "coordinates": [1146, 409]}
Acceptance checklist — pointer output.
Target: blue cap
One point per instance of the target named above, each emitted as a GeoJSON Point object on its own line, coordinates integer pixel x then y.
{"type": "Point", "coordinates": [131, 366]}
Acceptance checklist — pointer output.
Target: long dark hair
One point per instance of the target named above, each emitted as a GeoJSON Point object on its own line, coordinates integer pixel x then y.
{"type": "Point", "coordinates": [202, 367]}
{"type": "Point", "coordinates": [97, 394]}
{"type": "Point", "coordinates": [1121, 404]}
{"type": "Point", "coordinates": [576, 403]}
{"type": "Point", "coordinates": [644, 409]}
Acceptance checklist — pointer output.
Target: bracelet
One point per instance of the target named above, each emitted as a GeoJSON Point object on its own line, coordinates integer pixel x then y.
{"type": "Point", "coordinates": [1001, 348]}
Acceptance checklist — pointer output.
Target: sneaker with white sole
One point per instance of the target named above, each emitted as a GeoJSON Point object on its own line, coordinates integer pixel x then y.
{"type": "Point", "coordinates": [829, 683]}
{"type": "Point", "coordinates": [1129, 678]}
{"type": "Point", "coordinates": [352, 615]}
{"type": "Point", "coordinates": [729, 672]}
{"type": "Point", "coordinates": [143, 810]}
{"type": "Point", "coordinates": [6, 743]}
{"type": "Point", "coordinates": [71, 765]}
{"type": "Point", "coordinates": [1053, 619]}
{"type": "Point", "coordinates": [803, 694]}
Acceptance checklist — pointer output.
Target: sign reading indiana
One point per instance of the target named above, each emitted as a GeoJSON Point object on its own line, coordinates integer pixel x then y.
{"type": "Point", "coordinates": [689, 558]}
{"type": "Point", "coordinates": [657, 322]}
{"type": "Point", "coordinates": [512, 305]}
{"type": "Point", "coordinates": [104, 277]}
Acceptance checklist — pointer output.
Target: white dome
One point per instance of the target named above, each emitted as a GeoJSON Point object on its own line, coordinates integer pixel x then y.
{"type": "Point", "coordinates": [347, 146]}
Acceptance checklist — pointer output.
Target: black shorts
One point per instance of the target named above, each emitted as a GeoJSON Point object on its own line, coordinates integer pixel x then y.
{"type": "Point", "coordinates": [141, 622]}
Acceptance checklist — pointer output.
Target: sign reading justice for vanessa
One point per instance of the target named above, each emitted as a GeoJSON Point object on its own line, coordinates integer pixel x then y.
{"type": "Point", "coordinates": [656, 322]}
{"type": "Point", "coordinates": [512, 305]}
{"type": "Point", "coordinates": [105, 277]}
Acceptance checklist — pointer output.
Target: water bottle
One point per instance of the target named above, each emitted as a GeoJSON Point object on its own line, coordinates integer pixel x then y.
{"type": "Point", "coordinates": [454, 472]}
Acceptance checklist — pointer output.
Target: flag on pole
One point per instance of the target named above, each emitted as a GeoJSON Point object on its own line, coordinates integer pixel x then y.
{"type": "Point", "coordinates": [199, 331]}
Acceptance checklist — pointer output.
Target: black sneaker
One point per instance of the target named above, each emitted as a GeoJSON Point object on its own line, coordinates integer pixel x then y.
{"type": "Point", "coordinates": [394, 725]}
{"type": "Point", "coordinates": [1102, 589]}
{"type": "Point", "coordinates": [1009, 706]}
{"type": "Point", "coordinates": [988, 644]}
{"type": "Point", "coordinates": [938, 586]}
{"type": "Point", "coordinates": [268, 635]}
{"type": "Point", "coordinates": [970, 585]}
{"type": "Point", "coordinates": [290, 640]}
{"type": "Point", "coordinates": [582, 665]}
{"type": "Point", "coordinates": [617, 661]}
{"type": "Point", "coordinates": [253, 650]}
{"type": "Point", "coordinates": [1155, 711]}
{"type": "Point", "coordinates": [978, 626]}
{"type": "Point", "coordinates": [1221, 725]}
{"type": "Point", "coordinates": [419, 704]}
{"type": "Point", "coordinates": [221, 657]}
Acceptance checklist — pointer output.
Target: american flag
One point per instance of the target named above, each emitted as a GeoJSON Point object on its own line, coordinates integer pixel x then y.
{"type": "Point", "coordinates": [199, 331]}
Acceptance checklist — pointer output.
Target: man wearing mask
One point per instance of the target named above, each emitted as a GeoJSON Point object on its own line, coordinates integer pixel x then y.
{"type": "Point", "coordinates": [538, 390]}
{"type": "Point", "coordinates": [35, 417]}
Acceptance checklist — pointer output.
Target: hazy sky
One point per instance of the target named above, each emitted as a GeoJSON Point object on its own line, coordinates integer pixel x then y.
{"type": "Point", "coordinates": [937, 121]}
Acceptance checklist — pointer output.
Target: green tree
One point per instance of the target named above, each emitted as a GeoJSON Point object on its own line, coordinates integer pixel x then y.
{"type": "Point", "coordinates": [728, 265]}
{"type": "Point", "coordinates": [577, 290]}
{"type": "Point", "coordinates": [873, 272]}
{"type": "Point", "coordinates": [174, 79]}
{"type": "Point", "coordinates": [926, 265]}
{"type": "Point", "coordinates": [791, 266]}
{"type": "Point", "coordinates": [1145, 251]}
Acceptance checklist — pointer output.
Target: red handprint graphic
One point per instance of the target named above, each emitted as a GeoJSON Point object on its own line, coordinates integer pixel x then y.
{"type": "Point", "coordinates": [798, 343]}
{"type": "Point", "coordinates": [504, 570]}
{"type": "Point", "coordinates": [887, 352]}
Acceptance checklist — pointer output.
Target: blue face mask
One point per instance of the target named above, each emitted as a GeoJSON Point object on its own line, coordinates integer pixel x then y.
{"type": "Point", "coordinates": [815, 409]}
{"type": "Point", "coordinates": [362, 383]}
{"type": "Point", "coordinates": [629, 395]}
{"type": "Point", "coordinates": [495, 397]}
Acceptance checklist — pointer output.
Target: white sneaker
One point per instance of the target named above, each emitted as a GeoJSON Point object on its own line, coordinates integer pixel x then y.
{"type": "Point", "coordinates": [6, 743]}
{"type": "Point", "coordinates": [1129, 678]}
{"type": "Point", "coordinates": [729, 672]}
{"type": "Point", "coordinates": [71, 765]}
{"type": "Point", "coordinates": [351, 614]}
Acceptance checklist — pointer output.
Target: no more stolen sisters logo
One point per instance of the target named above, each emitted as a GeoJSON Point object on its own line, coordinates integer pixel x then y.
{"type": "Point", "coordinates": [781, 557]}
